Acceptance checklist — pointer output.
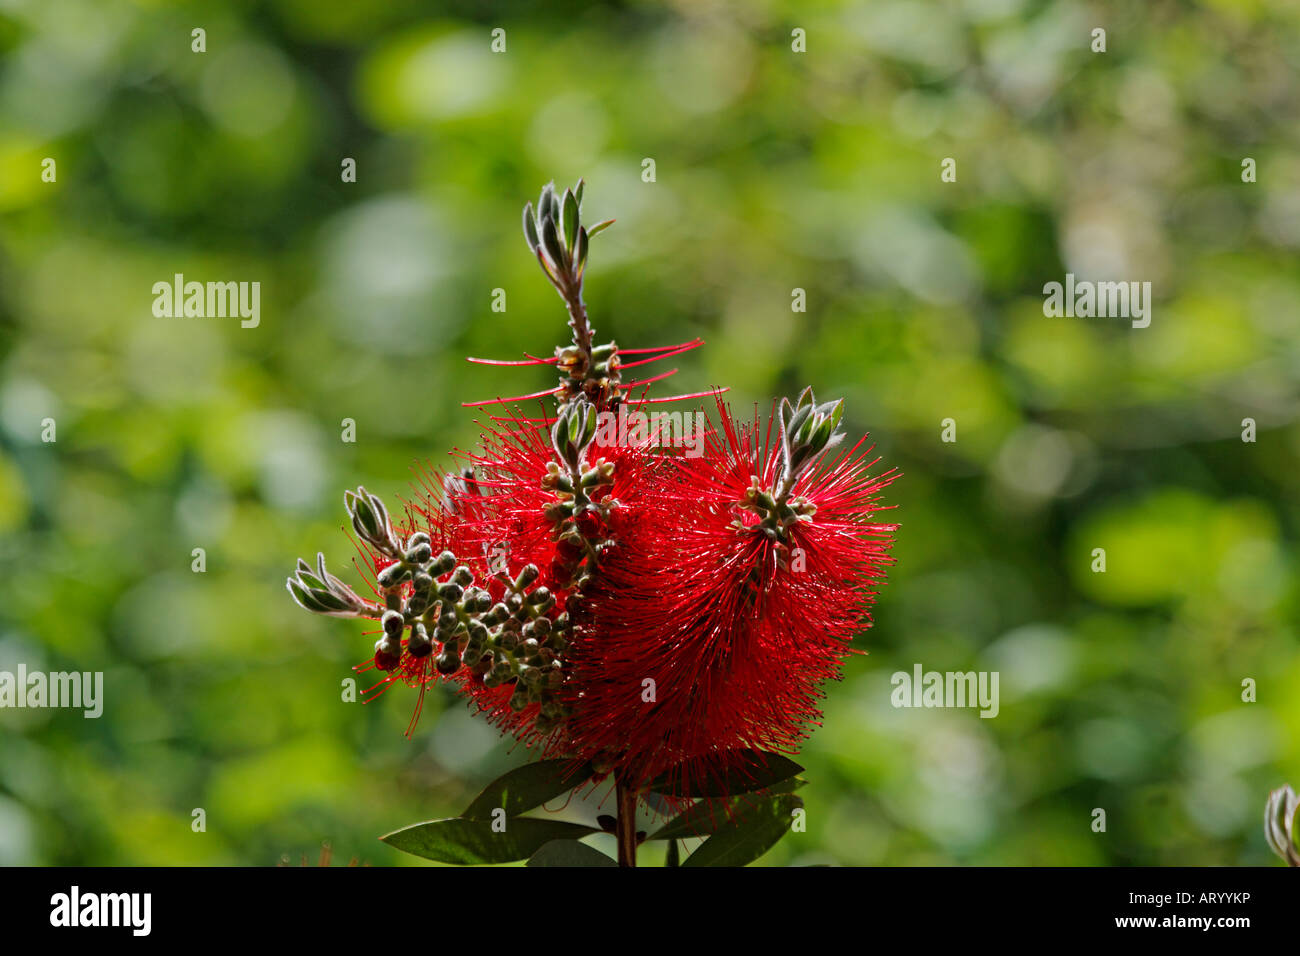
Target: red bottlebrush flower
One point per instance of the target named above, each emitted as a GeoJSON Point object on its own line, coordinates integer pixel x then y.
{"type": "Point", "coordinates": [715, 619]}
{"type": "Point", "coordinates": [635, 599]}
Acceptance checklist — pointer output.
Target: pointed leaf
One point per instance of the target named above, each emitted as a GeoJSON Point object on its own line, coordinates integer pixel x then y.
{"type": "Point", "coordinates": [544, 202]}
{"type": "Point", "coordinates": [696, 820]}
{"type": "Point", "coordinates": [748, 770]}
{"type": "Point", "coordinates": [797, 422]}
{"type": "Point", "coordinates": [569, 220]}
{"type": "Point", "coordinates": [569, 853]}
{"type": "Point", "coordinates": [706, 816]}
{"type": "Point", "coordinates": [742, 841]}
{"type": "Point", "coordinates": [530, 228]}
{"type": "Point", "coordinates": [526, 787]}
{"type": "Point", "coordinates": [469, 842]}
{"type": "Point", "coordinates": [580, 254]}
{"type": "Point", "coordinates": [554, 248]}
{"type": "Point", "coordinates": [822, 435]}
{"type": "Point", "coordinates": [599, 227]}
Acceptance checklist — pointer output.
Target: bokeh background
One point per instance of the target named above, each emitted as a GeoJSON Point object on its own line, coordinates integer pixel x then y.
{"type": "Point", "coordinates": [775, 170]}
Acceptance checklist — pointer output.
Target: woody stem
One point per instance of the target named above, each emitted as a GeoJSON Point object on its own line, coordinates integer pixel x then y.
{"type": "Point", "coordinates": [578, 321]}
{"type": "Point", "coordinates": [625, 829]}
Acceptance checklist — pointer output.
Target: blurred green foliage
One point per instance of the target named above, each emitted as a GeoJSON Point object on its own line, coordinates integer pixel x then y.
{"type": "Point", "coordinates": [775, 170]}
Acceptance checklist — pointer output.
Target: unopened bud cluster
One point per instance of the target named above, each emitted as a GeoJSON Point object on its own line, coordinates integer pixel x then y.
{"type": "Point", "coordinates": [581, 505]}
{"type": "Point", "coordinates": [595, 377]}
{"type": "Point", "coordinates": [433, 608]}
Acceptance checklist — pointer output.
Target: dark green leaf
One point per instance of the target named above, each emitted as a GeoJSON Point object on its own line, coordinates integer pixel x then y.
{"type": "Point", "coordinates": [469, 842]}
{"type": "Point", "coordinates": [674, 857]}
{"type": "Point", "coordinates": [744, 840]}
{"type": "Point", "coordinates": [750, 770]}
{"type": "Point", "coordinates": [569, 220]}
{"type": "Point", "coordinates": [705, 816]}
{"type": "Point", "coordinates": [553, 246]}
{"type": "Point", "coordinates": [569, 853]}
{"type": "Point", "coordinates": [696, 820]}
{"type": "Point", "coordinates": [526, 787]}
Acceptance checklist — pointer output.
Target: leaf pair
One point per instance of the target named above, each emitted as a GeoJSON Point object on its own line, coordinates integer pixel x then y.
{"type": "Point", "coordinates": [742, 813]}
{"type": "Point", "coordinates": [740, 823]}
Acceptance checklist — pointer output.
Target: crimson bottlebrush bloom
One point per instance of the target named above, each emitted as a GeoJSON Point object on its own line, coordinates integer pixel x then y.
{"type": "Point", "coordinates": [711, 631]}
{"type": "Point", "coordinates": [659, 612]}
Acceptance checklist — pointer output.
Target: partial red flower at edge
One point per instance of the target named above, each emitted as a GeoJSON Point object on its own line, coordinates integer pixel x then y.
{"type": "Point", "coordinates": [707, 635]}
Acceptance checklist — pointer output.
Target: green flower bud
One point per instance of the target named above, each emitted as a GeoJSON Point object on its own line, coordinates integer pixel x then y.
{"type": "Point", "coordinates": [556, 511]}
{"type": "Point", "coordinates": [393, 624]}
{"type": "Point", "coordinates": [448, 661]}
{"type": "Point", "coordinates": [420, 554]}
{"type": "Point", "coordinates": [393, 575]}
{"type": "Point", "coordinates": [419, 643]}
{"type": "Point", "coordinates": [527, 575]}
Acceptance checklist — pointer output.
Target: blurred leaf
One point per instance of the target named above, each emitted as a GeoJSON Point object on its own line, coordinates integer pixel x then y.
{"type": "Point", "coordinates": [569, 853]}
{"type": "Point", "coordinates": [708, 814]}
{"type": "Point", "coordinates": [526, 787]}
{"type": "Point", "coordinates": [469, 842]}
{"type": "Point", "coordinates": [695, 820]}
{"type": "Point", "coordinates": [742, 841]}
{"type": "Point", "coordinates": [748, 770]}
